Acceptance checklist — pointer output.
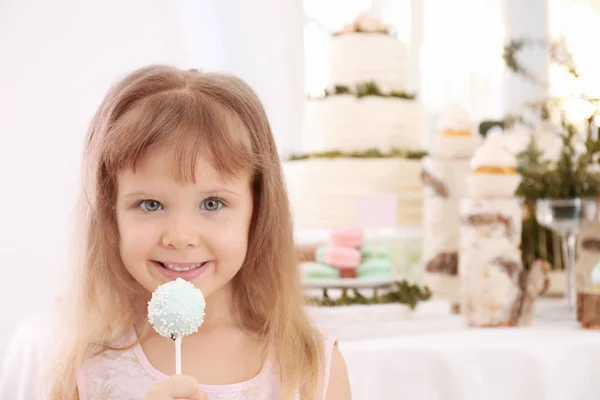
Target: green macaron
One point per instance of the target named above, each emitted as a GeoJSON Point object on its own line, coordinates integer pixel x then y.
{"type": "Point", "coordinates": [374, 251]}
{"type": "Point", "coordinates": [319, 271]}
{"type": "Point", "coordinates": [320, 254]}
{"type": "Point", "coordinates": [375, 268]}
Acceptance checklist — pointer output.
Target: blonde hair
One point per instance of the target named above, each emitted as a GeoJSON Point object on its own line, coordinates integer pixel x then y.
{"type": "Point", "coordinates": [221, 117]}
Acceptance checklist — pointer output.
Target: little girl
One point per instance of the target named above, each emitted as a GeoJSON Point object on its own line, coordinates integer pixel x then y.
{"type": "Point", "coordinates": [185, 181]}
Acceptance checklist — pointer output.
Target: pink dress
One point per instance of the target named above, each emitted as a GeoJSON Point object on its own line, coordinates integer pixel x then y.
{"type": "Point", "coordinates": [127, 375]}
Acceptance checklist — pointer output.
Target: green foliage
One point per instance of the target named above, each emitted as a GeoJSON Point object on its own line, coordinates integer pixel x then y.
{"type": "Point", "coordinates": [576, 174]}
{"type": "Point", "coordinates": [389, 31]}
{"type": "Point", "coordinates": [365, 89]}
{"type": "Point", "coordinates": [369, 153]}
{"type": "Point", "coordinates": [403, 293]}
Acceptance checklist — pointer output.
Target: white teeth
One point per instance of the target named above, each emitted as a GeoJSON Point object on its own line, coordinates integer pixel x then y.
{"type": "Point", "coordinates": [182, 269]}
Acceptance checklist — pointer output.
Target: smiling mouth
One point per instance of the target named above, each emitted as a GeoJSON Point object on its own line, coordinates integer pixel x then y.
{"type": "Point", "coordinates": [182, 267]}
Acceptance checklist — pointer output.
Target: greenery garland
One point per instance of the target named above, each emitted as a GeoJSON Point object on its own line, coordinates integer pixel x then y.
{"type": "Point", "coordinates": [364, 89]}
{"type": "Point", "coordinates": [403, 293]}
{"type": "Point", "coordinates": [558, 51]}
{"type": "Point", "coordinates": [389, 31]}
{"type": "Point", "coordinates": [551, 106]}
{"type": "Point", "coordinates": [368, 153]}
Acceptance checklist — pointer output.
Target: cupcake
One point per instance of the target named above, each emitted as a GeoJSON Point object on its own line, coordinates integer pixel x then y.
{"type": "Point", "coordinates": [456, 138]}
{"type": "Point", "coordinates": [493, 171]}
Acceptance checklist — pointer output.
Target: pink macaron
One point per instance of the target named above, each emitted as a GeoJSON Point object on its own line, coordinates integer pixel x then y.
{"type": "Point", "coordinates": [342, 257]}
{"type": "Point", "coordinates": [347, 237]}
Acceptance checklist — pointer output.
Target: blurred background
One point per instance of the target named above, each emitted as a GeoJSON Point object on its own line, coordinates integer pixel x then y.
{"type": "Point", "coordinates": [57, 59]}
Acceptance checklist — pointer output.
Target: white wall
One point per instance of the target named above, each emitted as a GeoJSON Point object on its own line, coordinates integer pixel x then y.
{"type": "Point", "coordinates": [58, 59]}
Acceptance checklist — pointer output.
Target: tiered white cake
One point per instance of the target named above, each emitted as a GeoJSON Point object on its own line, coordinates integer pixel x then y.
{"type": "Point", "coordinates": [359, 136]}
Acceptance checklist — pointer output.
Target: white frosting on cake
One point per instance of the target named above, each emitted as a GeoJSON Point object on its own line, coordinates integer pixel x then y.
{"type": "Point", "coordinates": [455, 118]}
{"type": "Point", "coordinates": [493, 153]}
{"type": "Point", "coordinates": [517, 138]}
{"type": "Point", "coordinates": [493, 185]}
{"type": "Point", "coordinates": [362, 57]}
{"type": "Point", "coordinates": [323, 192]}
{"type": "Point", "coordinates": [348, 123]}
{"type": "Point", "coordinates": [455, 147]}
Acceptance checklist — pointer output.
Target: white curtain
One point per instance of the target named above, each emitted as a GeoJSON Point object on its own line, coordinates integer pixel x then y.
{"type": "Point", "coordinates": [461, 56]}
{"type": "Point", "coordinates": [58, 60]}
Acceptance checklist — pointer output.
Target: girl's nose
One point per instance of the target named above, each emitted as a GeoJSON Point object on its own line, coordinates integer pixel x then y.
{"type": "Point", "coordinates": [181, 234]}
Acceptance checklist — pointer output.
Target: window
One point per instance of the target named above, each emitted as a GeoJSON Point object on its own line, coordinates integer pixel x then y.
{"type": "Point", "coordinates": [578, 23]}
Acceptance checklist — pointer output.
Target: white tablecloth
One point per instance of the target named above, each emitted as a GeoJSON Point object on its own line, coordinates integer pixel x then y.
{"type": "Point", "coordinates": [436, 357]}
{"type": "Point", "coordinates": [431, 355]}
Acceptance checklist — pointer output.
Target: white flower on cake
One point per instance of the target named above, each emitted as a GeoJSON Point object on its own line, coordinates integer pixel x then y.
{"type": "Point", "coordinates": [456, 138]}
{"type": "Point", "coordinates": [348, 28]}
{"type": "Point", "coordinates": [367, 22]}
{"type": "Point", "coordinates": [493, 171]}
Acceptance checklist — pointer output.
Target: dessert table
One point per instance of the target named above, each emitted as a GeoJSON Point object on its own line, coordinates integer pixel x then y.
{"type": "Point", "coordinates": [432, 355]}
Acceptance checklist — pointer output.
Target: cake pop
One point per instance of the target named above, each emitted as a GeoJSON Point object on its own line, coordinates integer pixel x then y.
{"type": "Point", "coordinates": [175, 310]}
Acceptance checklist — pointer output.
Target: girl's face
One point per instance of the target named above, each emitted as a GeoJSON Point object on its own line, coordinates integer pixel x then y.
{"type": "Point", "coordinates": [169, 229]}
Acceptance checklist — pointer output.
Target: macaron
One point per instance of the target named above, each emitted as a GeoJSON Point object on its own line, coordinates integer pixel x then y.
{"type": "Point", "coordinates": [347, 273]}
{"type": "Point", "coordinates": [320, 253]}
{"type": "Point", "coordinates": [374, 251]}
{"type": "Point", "coordinates": [338, 256]}
{"type": "Point", "coordinates": [375, 268]}
{"type": "Point", "coordinates": [313, 270]}
{"type": "Point", "coordinates": [341, 257]}
{"type": "Point", "coordinates": [347, 237]}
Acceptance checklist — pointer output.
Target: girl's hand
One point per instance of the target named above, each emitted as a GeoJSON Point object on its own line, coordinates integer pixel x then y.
{"type": "Point", "coordinates": [176, 387]}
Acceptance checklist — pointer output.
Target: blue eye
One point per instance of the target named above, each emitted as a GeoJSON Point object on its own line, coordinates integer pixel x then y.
{"type": "Point", "coordinates": [150, 205]}
{"type": "Point", "coordinates": [211, 204]}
